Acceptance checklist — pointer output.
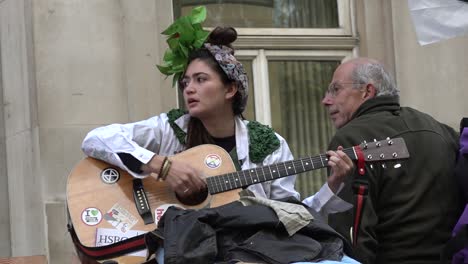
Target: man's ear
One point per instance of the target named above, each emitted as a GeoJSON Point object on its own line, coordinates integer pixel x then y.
{"type": "Point", "coordinates": [369, 91]}
{"type": "Point", "coordinates": [231, 90]}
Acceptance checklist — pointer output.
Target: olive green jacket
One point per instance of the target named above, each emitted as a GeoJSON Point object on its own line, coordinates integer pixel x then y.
{"type": "Point", "coordinates": [410, 210]}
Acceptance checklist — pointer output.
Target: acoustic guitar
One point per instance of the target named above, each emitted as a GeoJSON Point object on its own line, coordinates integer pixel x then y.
{"type": "Point", "coordinates": [103, 197]}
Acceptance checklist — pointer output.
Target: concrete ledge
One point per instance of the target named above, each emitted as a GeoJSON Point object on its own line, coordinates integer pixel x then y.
{"type": "Point", "coordinates": [24, 260]}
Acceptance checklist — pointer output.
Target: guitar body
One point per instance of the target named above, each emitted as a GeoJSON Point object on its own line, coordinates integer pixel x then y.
{"type": "Point", "coordinates": [94, 203]}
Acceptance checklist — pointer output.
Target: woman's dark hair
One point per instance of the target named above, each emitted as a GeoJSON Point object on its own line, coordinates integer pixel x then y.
{"type": "Point", "coordinates": [197, 133]}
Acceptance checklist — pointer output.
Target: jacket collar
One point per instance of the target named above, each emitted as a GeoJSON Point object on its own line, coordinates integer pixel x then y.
{"type": "Point", "coordinates": [241, 136]}
{"type": "Point", "coordinates": [377, 104]}
{"type": "Point", "coordinates": [182, 122]}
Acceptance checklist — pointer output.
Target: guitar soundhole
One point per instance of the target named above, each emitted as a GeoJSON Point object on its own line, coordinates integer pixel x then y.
{"type": "Point", "coordinates": [194, 199]}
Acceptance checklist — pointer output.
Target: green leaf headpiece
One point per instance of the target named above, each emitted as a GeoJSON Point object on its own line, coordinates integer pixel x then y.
{"type": "Point", "coordinates": [185, 35]}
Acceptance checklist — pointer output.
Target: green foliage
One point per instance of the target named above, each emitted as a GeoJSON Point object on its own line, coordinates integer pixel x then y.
{"type": "Point", "coordinates": [184, 35]}
{"type": "Point", "coordinates": [263, 141]}
{"type": "Point", "coordinates": [173, 115]}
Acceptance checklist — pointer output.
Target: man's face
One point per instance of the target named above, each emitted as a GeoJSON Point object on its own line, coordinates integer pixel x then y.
{"type": "Point", "coordinates": [341, 99]}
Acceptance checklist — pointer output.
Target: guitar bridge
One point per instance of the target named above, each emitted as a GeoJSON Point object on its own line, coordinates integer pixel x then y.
{"type": "Point", "coordinates": [141, 202]}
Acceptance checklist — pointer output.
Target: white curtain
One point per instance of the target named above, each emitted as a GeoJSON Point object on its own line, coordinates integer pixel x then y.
{"type": "Point", "coordinates": [297, 88]}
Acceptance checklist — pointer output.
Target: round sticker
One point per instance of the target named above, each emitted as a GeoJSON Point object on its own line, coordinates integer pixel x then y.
{"type": "Point", "coordinates": [213, 161]}
{"type": "Point", "coordinates": [91, 216]}
{"type": "Point", "coordinates": [110, 175]}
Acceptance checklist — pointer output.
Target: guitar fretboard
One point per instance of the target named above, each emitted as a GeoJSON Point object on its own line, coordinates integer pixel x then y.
{"type": "Point", "coordinates": [240, 179]}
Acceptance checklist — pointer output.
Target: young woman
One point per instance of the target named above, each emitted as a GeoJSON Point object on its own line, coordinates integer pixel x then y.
{"type": "Point", "coordinates": [215, 90]}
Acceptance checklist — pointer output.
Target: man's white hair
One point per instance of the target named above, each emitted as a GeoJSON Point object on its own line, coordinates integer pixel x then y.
{"type": "Point", "coordinates": [371, 71]}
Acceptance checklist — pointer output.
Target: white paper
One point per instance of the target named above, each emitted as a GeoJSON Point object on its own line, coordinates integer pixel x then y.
{"type": "Point", "coordinates": [436, 20]}
{"type": "Point", "coordinates": [107, 236]}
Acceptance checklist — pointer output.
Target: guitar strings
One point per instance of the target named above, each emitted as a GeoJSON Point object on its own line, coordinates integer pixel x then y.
{"type": "Point", "coordinates": [227, 181]}
{"type": "Point", "coordinates": [239, 179]}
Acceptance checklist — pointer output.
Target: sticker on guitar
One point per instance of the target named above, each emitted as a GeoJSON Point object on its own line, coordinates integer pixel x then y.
{"type": "Point", "coordinates": [160, 210]}
{"type": "Point", "coordinates": [120, 218]}
{"type": "Point", "coordinates": [91, 216]}
{"type": "Point", "coordinates": [108, 236]}
{"type": "Point", "coordinates": [213, 161]}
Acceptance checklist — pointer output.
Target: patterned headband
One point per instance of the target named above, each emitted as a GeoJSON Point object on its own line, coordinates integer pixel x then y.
{"type": "Point", "coordinates": [233, 69]}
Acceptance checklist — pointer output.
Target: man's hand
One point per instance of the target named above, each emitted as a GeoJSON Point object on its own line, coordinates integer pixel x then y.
{"type": "Point", "coordinates": [341, 166]}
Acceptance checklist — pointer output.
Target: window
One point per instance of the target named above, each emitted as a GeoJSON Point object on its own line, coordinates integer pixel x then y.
{"type": "Point", "coordinates": [290, 49]}
{"type": "Point", "coordinates": [274, 14]}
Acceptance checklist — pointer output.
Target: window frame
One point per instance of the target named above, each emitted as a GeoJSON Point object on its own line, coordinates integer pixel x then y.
{"type": "Point", "coordinates": [260, 78]}
{"type": "Point", "coordinates": [345, 28]}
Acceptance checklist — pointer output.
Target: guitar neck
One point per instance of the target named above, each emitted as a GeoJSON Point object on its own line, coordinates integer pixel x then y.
{"type": "Point", "coordinates": [240, 179]}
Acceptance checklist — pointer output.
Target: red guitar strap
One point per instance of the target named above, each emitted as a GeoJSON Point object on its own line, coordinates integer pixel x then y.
{"type": "Point", "coordinates": [360, 187]}
{"type": "Point", "coordinates": [92, 254]}
{"type": "Point", "coordinates": [360, 160]}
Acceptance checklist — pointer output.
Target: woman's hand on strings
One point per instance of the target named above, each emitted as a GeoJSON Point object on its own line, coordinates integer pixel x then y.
{"type": "Point", "coordinates": [184, 179]}
{"type": "Point", "coordinates": [180, 176]}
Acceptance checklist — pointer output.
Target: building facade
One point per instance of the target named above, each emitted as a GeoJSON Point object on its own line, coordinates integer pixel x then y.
{"type": "Point", "coordinates": [67, 66]}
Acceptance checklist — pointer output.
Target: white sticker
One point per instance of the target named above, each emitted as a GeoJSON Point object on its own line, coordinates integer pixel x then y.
{"type": "Point", "coordinates": [91, 216]}
{"type": "Point", "coordinates": [213, 161]}
{"type": "Point", "coordinates": [120, 218]}
{"type": "Point", "coordinates": [107, 236]}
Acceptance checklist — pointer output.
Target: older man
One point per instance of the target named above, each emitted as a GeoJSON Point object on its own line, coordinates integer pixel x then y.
{"type": "Point", "coordinates": [411, 205]}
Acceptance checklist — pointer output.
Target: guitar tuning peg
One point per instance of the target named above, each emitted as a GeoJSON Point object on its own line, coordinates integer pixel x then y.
{"type": "Point", "coordinates": [365, 144]}
{"type": "Point", "coordinates": [388, 138]}
{"type": "Point", "coordinates": [384, 166]}
{"type": "Point", "coordinates": [375, 140]}
{"type": "Point", "coordinates": [372, 167]}
{"type": "Point", "coordinates": [378, 144]}
{"type": "Point", "coordinates": [390, 142]}
{"type": "Point", "coordinates": [398, 165]}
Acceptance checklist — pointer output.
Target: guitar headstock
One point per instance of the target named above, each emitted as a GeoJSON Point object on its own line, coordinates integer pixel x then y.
{"type": "Point", "coordinates": [388, 149]}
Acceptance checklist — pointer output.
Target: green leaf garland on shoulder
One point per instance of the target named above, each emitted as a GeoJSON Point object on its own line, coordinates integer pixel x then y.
{"type": "Point", "coordinates": [185, 35]}
{"type": "Point", "coordinates": [263, 141]}
{"type": "Point", "coordinates": [173, 115]}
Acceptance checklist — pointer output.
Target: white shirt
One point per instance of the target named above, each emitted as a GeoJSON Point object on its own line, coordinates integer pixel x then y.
{"type": "Point", "coordinates": [152, 136]}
